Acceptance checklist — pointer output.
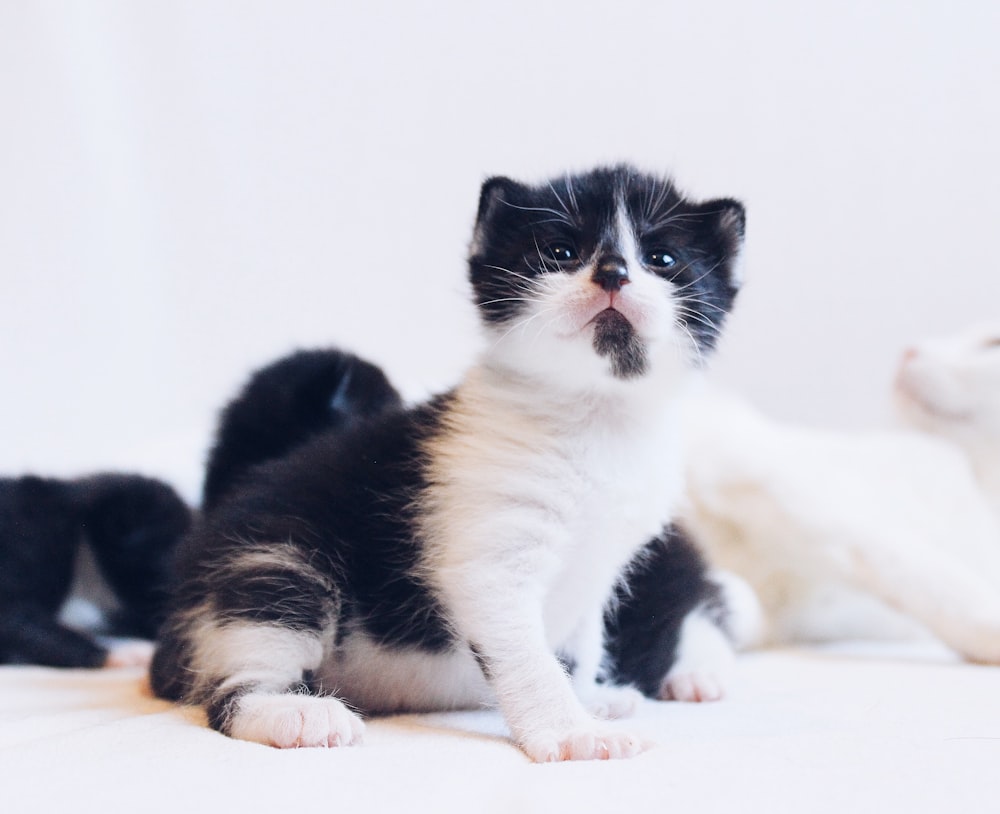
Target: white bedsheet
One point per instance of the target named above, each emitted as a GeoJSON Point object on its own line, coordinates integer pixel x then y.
{"type": "Point", "coordinates": [856, 729]}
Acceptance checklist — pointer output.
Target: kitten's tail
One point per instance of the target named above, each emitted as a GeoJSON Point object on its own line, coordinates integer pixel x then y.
{"type": "Point", "coordinates": [287, 402]}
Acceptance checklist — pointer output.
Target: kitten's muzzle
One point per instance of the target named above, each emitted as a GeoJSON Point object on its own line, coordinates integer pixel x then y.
{"type": "Point", "coordinates": [611, 273]}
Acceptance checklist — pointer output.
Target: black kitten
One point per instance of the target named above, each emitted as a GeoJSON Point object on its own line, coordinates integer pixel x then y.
{"type": "Point", "coordinates": [287, 403]}
{"type": "Point", "coordinates": [132, 526]}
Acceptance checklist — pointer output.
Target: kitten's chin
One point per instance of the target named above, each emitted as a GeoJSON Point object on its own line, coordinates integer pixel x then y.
{"type": "Point", "coordinates": [616, 340]}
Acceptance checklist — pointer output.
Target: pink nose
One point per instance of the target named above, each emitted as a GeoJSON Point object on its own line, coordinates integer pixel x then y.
{"type": "Point", "coordinates": [909, 354]}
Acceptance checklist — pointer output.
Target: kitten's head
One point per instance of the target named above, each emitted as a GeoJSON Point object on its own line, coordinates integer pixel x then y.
{"type": "Point", "coordinates": [950, 387]}
{"type": "Point", "coordinates": [611, 274]}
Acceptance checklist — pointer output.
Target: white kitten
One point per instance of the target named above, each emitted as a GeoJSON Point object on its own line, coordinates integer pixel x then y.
{"type": "Point", "coordinates": [878, 534]}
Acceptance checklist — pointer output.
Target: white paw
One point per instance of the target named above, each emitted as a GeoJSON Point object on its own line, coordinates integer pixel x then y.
{"type": "Point", "coordinates": [705, 661]}
{"type": "Point", "coordinates": [291, 720]}
{"type": "Point", "coordinates": [685, 686]}
{"type": "Point", "coordinates": [607, 701]}
{"type": "Point", "coordinates": [132, 653]}
{"type": "Point", "coordinates": [581, 744]}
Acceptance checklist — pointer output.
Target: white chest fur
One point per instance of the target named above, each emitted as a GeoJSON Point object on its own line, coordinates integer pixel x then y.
{"type": "Point", "coordinates": [546, 498]}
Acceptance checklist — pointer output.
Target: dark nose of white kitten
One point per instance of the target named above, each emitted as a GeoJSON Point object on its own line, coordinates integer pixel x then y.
{"type": "Point", "coordinates": [611, 272]}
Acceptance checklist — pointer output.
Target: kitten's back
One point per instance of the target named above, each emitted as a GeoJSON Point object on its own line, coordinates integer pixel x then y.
{"type": "Point", "coordinates": [287, 402]}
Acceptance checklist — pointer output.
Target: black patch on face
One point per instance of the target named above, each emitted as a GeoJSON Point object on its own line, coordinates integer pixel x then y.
{"type": "Point", "coordinates": [616, 340]}
{"type": "Point", "coordinates": [522, 231]}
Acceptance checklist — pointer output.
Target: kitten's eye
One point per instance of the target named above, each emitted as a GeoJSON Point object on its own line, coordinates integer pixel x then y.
{"type": "Point", "coordinates": [561, 252]}
{"type": "Point", "coordinates": [660, 259]}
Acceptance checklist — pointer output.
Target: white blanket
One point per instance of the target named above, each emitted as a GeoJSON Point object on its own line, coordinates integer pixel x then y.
{"type": "Point", "coordinates": [858, 728]}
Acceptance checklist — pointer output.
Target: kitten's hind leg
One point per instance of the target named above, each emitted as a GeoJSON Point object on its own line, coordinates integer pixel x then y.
{"type": "Point", "coordinates": [729, 619]}
{"type": "Point", "coordinates": [703, 664]}
{"type": "Point", "coordinates": [263, 696]}
{"type": "Point", "coordinates": [253, 631]}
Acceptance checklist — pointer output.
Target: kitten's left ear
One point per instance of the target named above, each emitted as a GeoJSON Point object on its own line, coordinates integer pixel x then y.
{"type": "Point", "coordinates": [724, 226]}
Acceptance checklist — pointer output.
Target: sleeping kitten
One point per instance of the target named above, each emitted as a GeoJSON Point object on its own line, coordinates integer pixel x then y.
{"type": "Point", "coordinates": [884, 534]}
{"type": "Point", "coordinates": [461, 552]}
{"type": "Point", "coordinates": [129, 525]}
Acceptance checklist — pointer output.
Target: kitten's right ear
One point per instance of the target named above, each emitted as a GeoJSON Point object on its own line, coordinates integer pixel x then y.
{"type": "Point", "coordinates": [495, 192]}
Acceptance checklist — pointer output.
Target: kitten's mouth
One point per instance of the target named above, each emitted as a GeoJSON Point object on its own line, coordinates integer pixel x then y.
{"type": "Point", "coordinates": [610, 316]}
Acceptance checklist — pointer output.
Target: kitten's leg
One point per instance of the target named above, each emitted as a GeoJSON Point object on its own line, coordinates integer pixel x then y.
{"type": "Point", "coordinates": [32, 635]}
{"type": "Point", "coordinates": [533, 690]}
{"type": "Point", "coordinates": [601, 700]}
{"type": "Point", "coordinates": [246, 652]}
{"type": "Point", "coordinates": [260, 694]}
{"type": "Point", "coordinates": [710, 634]}
{"type": "Point", "coordinates": [704, 661]}
{"type": "Point", "coordinates": [954, 601]}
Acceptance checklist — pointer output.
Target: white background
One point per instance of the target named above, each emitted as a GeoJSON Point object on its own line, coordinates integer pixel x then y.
{"type": "Point", "coordinates": [188, 189]}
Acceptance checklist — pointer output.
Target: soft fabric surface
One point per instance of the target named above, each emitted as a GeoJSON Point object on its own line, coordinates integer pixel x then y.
{"type": "Point", "coordinates": [855, 728]}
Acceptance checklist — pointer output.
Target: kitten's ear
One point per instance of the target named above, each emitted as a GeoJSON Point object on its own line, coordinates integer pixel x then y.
{"type": "Point", "coordinates": [494, 193]}
{"type": "Point", "coordinates": [724, 226]}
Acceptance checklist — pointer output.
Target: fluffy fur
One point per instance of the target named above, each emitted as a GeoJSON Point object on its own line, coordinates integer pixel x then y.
{"type": "Point", "coordinates": [856, 535]}
{"type": "Point", "coordinates": [286, 404]}
{"type": "Point", "coordinates": [128, 525]}
{"type": "Point", "coordinates": [463, 551]}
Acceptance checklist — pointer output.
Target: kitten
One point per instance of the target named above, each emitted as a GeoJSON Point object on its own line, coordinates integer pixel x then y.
{"type": "Point", "coordinates": [462, 552]}
{"type": "Point", "coordinates": [307, 393]}
{"type": "Point", "coordinates": [131, 526]}
{"type": "Point", "coordinates": [890, 534]}
{"type": "Point", "coordinates": [287, 403]}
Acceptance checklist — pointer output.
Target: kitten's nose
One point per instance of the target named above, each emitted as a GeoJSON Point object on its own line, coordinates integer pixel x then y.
{"type": "Point", "coordinates": [611, 273]}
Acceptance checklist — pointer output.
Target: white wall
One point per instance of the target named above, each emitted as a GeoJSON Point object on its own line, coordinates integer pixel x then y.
{"type": "Point", "coordinates": [188, 189]}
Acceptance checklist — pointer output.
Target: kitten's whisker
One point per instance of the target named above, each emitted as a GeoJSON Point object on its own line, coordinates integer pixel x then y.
{"type": "Point", "coordinates": [512, 299]}
{"type": "Point", "coordinates": [560, 215]}
{"type": "Point", "coordinates": [697, 279]}
{"type": "Point", "coordinates": [699, 357]}
{"type": "Point", "coordinates": [694, 316]}
{"type": "Point", "coordinates": [562, 203]}
{"type": "Point", "coordinates": [571, 193]}
{"type": "Point", "coordinates": [702, 303]}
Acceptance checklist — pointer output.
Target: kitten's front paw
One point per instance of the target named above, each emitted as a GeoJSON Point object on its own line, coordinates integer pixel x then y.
{"type": "Point", "coordinates": [291, 720]}
{"type": "Point", "coordinates": [692, 686]}
{"type": "Point", "coordinates": [581, 744]}
{"type": "Point", "coordinates": [608, 701]}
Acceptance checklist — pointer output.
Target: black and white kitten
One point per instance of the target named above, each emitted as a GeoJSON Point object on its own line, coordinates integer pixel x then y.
{"type": "Point", "coordinates": [463, 551]}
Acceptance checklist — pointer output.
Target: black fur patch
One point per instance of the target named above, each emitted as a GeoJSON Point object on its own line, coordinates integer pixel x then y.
{"type": "Point", "coordinates": [292, 595]}
{"type": "Point", "coordinates": [285, 404]}
{"type": "Point", "coordinates": [616, 339]}
{"type": "Point", "coordinates": [132, 524]}
{"type": "Point", "coordinates": [665, 582]}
